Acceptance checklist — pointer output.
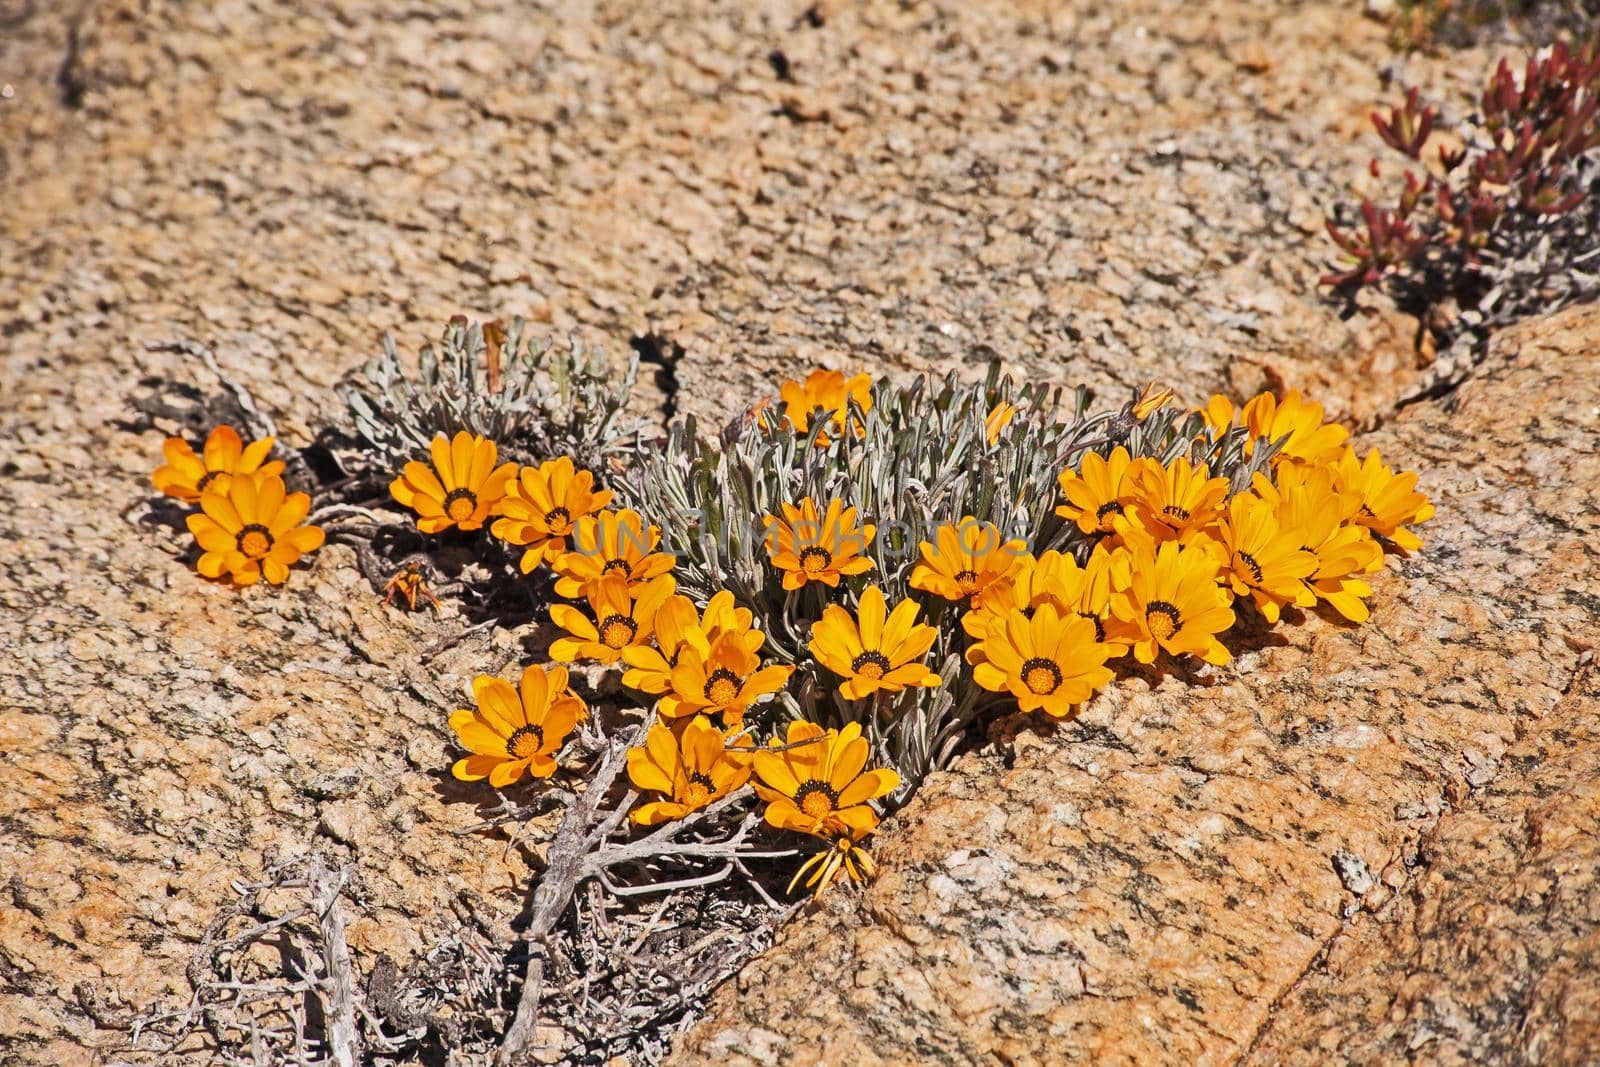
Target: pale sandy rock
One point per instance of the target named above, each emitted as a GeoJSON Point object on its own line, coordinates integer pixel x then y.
{"type": "Point", "coordinates": [1087, 191]}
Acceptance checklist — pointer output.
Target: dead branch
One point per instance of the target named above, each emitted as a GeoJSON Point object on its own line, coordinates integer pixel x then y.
{"type": "Point", "coordinates": [342, 1034]}
{"type": "Point", "coordinates": [554, 891]}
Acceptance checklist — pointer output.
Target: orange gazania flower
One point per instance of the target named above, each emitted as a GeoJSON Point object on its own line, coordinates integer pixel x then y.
{"type": "Point", "coordinates": [514, 731]}
{"type": "Point", "coordinates": [677, 626]}
{"type": "Point", "coordinates": [1097, 491]}
{"type": "Point", "coordinates": [1036, 581]}
{"type": "Point", "coordinates": [815, 782]}
{"type": "Point", "coordinates": [1266, 417]}
{"type": "Point", "coordinates": [1051, 661]}
{"type": "Point", "coordinates": [619, 617]}
{"type": "Point", "coordinates": [1311, 508]}
{"type": "Point", "coordinates": [1174, 500]}
{"type": "Point", "coordinates": [843, 854]}
{"type": "Point", "coordinates": [808, 547]}
{"type": "Point", "coordinates": [998, 418]}
{"type": "Point", "coordinates": [1169, 598]}
{"type": "Point", "coordinates": [541, 507]}
{"type": "Point", "coordinates": [1089, 596]}
{"type": "Point", "coordinates": [725, 681]}
{"type": "Point", "coordinates": [1056, 579]}
{"type": "Point", "coordinates": [970, 558]}
{"type": "Point", "coordinates": [1264, 561]}
{"type": "Point", "coordinates": [611, 542]}
{"type": "Point", "coordinates": [252, 529]}
{"type": "Point", "coordinates": [690, 768]}
{"type": "Point", "coordinates": [883, 650]}
{"type": "Point", "coordinates": [1389, 501]}
{"type": "Point", "coordinates": [831, 393]}
{"type": "Point", "coordinates": [462, 488]}
{"type": "Point", "coordinates": [186, 475]}
{"type": "Point", "coordinates": [1152, 398]}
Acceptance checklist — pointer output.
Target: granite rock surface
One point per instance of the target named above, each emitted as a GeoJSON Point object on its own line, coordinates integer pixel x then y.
{"type": "Point", "coordinates": [1088, 192]}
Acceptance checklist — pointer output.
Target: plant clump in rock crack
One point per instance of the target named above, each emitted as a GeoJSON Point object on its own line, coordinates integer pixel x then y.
{"type": "Point", "coordinates": [533, 399]}
{"type": "Point", "coordinates": [1496, 216]}
{"type": "Point", "coordinates": [798, 617]}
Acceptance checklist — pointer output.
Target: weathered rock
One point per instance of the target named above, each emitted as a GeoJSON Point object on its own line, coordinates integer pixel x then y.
{"type": "Point", "coordinates": [1187, 873]}
{"type": "Point", "coordinates": [1088, 191]}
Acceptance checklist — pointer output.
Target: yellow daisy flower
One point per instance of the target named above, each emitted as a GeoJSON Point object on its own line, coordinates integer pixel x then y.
{"type": "Point", "coordinates": [689, 767]}
{"type": "Point", "coordinates": [807, 547]}
{"type": "Point", "coordinates": [619, 617]}
{"type": "Point", "coordinates": [1265, 416]}
{"type": "Point", "coordinates": [610, 542]}
{"type": "Point", "coordinates": [1173, 500]}
{"type": "Point", "coordinates": [970, 558]}
{"type": "Point", "coordinates": [830, 392]}
{"type": "Point", "coordinates": [1045, 580]}
{"type": "Point", "coordinates": [1088, 595]}
{"type": "Point", "coordinates": [462, 488]}
{"type": "Point", "coordinates": [186, 475]}
{"type": "Point", "coordinates": [883, 650]}
{"type": "Point", "coordinates": [1311, 508]}
{"type": "Point", "coordinates": [541, 507]}
{"type": "Point", "coordinates": [815, 782]}
{"type": "Point", "coordinates": [1264, 561]}
{"type": "Point", "coordinates": [843, 854]}
{"type": "Point", "coordinates": [725, 681]}
{"type": "Point", "coordinates": [1049, 662]}
{"type": "Point", "coordinates": [1169, 598]}
{"type": "Point", "coordinates": [1389, 501]}
{"type": "Point", "coordinates": [251, 529]}
{"type": "Point", "coordinates": [514, 731]}
{"type": "Point", "coordinates": [1152, 398]}
{"type": "Point", "coordinates": [679, 625]}
{"type": "Point", "coordinates": [1097, 491]}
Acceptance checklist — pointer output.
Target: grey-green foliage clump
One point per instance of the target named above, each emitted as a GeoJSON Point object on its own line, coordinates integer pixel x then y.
{"type": "Point", "coordinates": [924, 461]}
{"type": "Point", "coordinates": [542, 401]}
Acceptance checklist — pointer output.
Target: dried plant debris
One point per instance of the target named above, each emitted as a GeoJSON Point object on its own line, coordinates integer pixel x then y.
{"type": "Point", "coordinates": [275, 985]}
{"type": "Point", "coordinates": [536, 399]}
{"type": "Point", "coordinates": [1500, 216]}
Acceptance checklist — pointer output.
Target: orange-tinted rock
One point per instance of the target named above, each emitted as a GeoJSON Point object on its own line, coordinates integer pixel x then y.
{"type": "Point", "coordinates": [1091, 192]}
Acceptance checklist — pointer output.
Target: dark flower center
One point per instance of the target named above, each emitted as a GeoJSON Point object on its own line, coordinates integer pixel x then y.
{"type": "Point", "coordinates": [1041, 676]}
{"type": "Point", "coordinates": [1163, 619]}
{"type": "Point", "coordinates": [557, 517]}
{"type": "Point", "coordinates": [870, 665]}
{"type": "Point", "coordinates": [614, 565]}
{"type": "Point", "coordinates": [254, 540]}
{"type": "Point", "coordinates": [699, 790]}
{"type": "Point", "coordinates": [1173, 511]}
{"type": "Point", "coordinates": [1110, 507]}
{"type": "Point", "coordinates": [525, 742]}
{"type": "Point", "coordinates": [968, 581]}
{"type": "Point", "coordinates": [815, 798]}
{"type": "Point", "coordinates": [617, 631]}
{"type": "Point", "coordinates": [1099, 624]}
{"type": "Point", "coordinates": [723, 686]}
{"type": "Point", "coordinates": [459, 504]}
{"type": "Point", "coordinates": [1251, 565]}
{"type": "Point", "coordinates": [210, 476]}
{"type": "Point", "coordinates": [815, 559]}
